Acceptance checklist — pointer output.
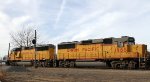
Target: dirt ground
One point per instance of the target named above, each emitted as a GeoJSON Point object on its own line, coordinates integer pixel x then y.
{"type": "Point", "coordinates": [2, 75]}
{"type": "Point", "coordinates": [30, 74]}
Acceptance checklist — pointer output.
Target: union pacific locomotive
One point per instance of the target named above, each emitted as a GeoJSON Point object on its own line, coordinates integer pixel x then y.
{"type": "Point", "coordinates": [26, 55]}
{"type": "Point", "coordinates": [115, 52]}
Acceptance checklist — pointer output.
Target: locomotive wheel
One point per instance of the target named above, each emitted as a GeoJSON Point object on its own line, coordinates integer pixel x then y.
{"type": "Point", "coordinates": [61, 64]}
{"type": "Point", "coordinates": [117, 65]}
{"type": "Point", "coordinates": [131, 65]}
{"type": "Point", "coordinates": [72, 64]}
{"type": "Point", "coordinates": [66, 64]}
{"type": "Point", "coordinates": [124, 65]}
{"type": "Point", "coordinates": [51, 63]}
{"type": "Point", "coordinates": [113, 64]}
{"type": "Point", "coordinates": [43, 63]}
{"type": "Point", "coordinates": [54, 64]}
{"type": "Point", "coordinates": [108, 63]}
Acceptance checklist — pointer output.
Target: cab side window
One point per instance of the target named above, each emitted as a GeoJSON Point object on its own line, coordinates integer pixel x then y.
{"type": "Point", "coordinates": [120, 44]}
{"type": "Point", "coordinates": [131, 43]}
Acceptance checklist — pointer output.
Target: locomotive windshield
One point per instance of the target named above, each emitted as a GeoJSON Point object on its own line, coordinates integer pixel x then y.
{"type": "Point", "coordinates": [131, 41]}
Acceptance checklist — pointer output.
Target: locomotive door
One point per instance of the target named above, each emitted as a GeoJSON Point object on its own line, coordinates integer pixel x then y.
{"type": "Point", "coordinates": [106, 51]}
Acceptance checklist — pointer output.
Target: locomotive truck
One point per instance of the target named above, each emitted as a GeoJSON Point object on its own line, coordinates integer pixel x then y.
{"type": "Point", "coordinates": [115, 52]}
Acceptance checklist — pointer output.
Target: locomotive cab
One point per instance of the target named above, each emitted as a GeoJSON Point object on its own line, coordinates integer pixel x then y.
{"type": "Point", "coordinates": [124, 40]}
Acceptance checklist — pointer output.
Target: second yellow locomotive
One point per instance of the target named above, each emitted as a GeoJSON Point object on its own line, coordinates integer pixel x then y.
{"type": "Point", "coordinates": [116, 52]}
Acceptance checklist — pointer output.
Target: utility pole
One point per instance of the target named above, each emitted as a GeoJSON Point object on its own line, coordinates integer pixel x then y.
{"type": "Point", "coordinates": [35, 50]}
{"type": "Point", "coordinates": [8, 49]}
{"type": "Point", "coordinates": [27, 41]}
{"type": "Point", "coordinates": [35, 53]}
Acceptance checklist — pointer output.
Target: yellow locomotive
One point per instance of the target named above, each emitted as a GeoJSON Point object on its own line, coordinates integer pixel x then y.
{"type": "Point", "coordinates": [116, 52]}
{"type": "Point", "coordinates": [45, 55]}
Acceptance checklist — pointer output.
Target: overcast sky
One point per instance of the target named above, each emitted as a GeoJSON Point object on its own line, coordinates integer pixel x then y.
{"type": "Point", "coordinates": [69, 20]}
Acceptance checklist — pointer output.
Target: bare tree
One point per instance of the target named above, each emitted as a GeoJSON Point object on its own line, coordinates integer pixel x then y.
{"type": "Point", "coordinates": [22, 37]}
